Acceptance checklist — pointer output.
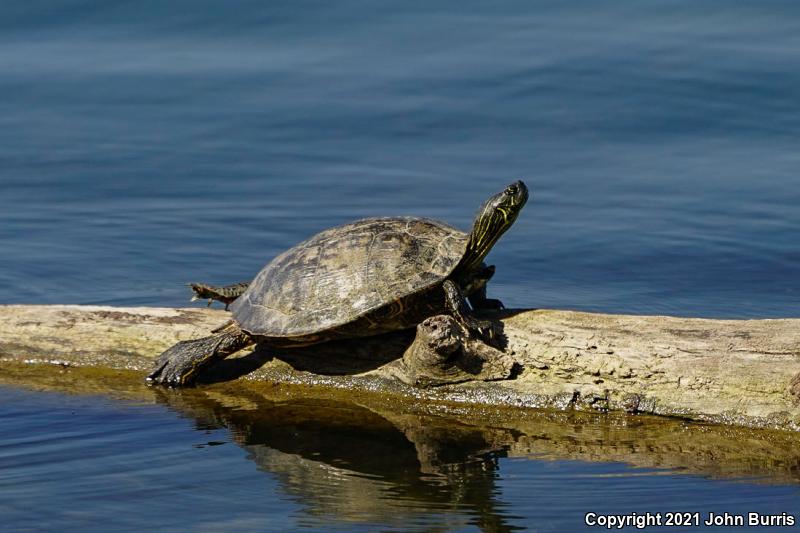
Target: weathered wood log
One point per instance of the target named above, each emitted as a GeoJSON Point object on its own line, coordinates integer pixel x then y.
{"type": "Point", "coordinates": [731, 371]}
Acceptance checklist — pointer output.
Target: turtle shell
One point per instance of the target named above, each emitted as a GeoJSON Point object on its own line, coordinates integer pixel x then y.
{"type": "Point", "coordinates": [346, 273]}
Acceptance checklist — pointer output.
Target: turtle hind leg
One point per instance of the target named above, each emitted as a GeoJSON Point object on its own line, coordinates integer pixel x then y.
{"type": "Point", "coordinates": [226, 294]}
{"type": "Point", "coordinates": [180, 365]}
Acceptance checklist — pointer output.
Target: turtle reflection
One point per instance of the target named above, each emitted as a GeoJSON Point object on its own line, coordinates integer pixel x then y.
{"type": "Point", "coordinates": [345, 462]}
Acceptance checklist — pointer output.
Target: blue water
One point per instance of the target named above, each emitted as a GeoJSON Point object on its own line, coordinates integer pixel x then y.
{"type": "Point", "coordinates": [77, 463]}
{"type": "Point", "coordinates": [147, 144]}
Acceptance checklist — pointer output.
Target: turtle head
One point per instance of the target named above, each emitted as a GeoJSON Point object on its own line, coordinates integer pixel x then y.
{"type": "Point", "coordinates": [501, 210]}
{"type": "Point", "coordinates": [496, 215]}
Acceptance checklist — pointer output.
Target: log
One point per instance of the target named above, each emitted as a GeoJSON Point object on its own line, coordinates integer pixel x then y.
{"type": "Point", "coordinates": [736, 372]}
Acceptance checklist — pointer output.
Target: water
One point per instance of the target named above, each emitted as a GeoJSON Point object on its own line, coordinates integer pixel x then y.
{"type": "Point", "coordinates": [216, 461]}
{"type": "Point", "coordinates": [144, 145]}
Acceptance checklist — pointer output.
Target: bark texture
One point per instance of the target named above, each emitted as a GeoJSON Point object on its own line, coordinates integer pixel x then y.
{"type": "Point", "coordinates": [742, 372]}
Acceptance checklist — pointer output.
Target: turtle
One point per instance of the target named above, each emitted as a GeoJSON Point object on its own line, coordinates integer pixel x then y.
{"type": "Point", "coordinates": [361, 279]}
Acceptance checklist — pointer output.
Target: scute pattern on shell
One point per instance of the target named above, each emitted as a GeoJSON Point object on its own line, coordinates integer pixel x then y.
{"type": "Point", "coordinates": [346, 272]}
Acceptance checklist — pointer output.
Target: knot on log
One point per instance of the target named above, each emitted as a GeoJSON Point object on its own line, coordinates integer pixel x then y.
{"type": "Point", "coordinates": [794, 387]}
{"type": "Point", "coordinates": [443, 353]}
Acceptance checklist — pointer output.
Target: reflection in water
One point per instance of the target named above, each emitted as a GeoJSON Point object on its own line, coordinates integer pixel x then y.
{"type": "Point", "coordinates": [345, 462]}
{"type": "Point", "coordinates": [419, 464]}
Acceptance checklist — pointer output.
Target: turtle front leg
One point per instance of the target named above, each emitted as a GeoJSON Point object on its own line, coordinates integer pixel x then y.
{"type": "Point", "coordinates": [180, 365]}
{"type": "Point", "coordinates": [459, 308]}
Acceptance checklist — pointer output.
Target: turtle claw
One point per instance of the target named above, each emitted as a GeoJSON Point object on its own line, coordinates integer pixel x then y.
{"type": "Point", "coordinates": [486, 331]}
{"type": "Point", "coordinates": [176, 366]}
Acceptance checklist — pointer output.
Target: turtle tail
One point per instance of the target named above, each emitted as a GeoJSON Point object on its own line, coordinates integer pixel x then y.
{"type": "Point", "coordinates": [225, 294]}
{"type": "Point", "coordinates": [180, 365]}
